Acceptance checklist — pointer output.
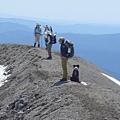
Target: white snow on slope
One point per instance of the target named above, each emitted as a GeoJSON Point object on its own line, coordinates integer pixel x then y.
{"type": "Point", "coordinates": [84, 83]}
{"type": "Point", "coordinates": [2, 76]}
{"type": "Point", "coordinates": [111, 78]}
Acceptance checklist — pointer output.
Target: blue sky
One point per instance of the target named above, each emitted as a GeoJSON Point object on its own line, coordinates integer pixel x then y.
{"type": "Point", "coordinates": [95, 11]}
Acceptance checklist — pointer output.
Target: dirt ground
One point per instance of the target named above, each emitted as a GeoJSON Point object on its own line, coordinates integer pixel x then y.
{"type": "Point", "coordinates": [36, 81]}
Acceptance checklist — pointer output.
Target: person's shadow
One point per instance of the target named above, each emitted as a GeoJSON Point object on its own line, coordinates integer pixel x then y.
{"type": "Point", "coordinates": [59, 83]}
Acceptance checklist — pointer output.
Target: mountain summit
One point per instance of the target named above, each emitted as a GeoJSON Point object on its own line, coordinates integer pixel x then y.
{"type": "Point", "coordinates": [33, 90]}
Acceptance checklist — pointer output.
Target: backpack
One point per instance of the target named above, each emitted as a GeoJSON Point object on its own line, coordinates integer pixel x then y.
{"type": "Point", "coordinates": [52, 38]}
{"type": "Point", "coordinates": [70, 47]}
{"type": "Point", "coordinates": [38, 29]}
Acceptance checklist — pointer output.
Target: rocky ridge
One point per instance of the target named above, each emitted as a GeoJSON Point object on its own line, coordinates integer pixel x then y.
{"type": "Point", "coordinates": [33, 90]}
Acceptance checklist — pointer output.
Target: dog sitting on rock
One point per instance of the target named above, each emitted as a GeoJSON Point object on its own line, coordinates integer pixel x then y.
{"type": "Point", "coordinates": [75, 74]}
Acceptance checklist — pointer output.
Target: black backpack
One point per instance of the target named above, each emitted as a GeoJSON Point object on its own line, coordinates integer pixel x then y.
{"type": "Point", "coordinates": [52, 38]}
{"type": "Point", "coordinates": [70, 47]}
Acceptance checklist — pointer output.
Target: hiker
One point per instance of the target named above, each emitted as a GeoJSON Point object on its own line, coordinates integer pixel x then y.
{"type": "Point", "coordinates": [37, 34]}
{"type": "Point", "coordinates": [49, 45]}
{"type": "Point", "coordinates": [46, 28]}
{"type": "Point", "coordinates": [64, 58]}
{"type": "Point", "coordinates": [45, 34]}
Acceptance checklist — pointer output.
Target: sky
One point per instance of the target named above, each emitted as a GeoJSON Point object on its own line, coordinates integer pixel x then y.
{"type": "Point", "coordinates": [95, 11]}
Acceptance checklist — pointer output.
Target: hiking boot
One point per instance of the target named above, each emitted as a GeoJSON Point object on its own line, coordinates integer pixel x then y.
{"type": "Point", "coordinates": [38, 45]}
{"type": "Point", "coordinates": [63, 79]}
{"type": "Point", "coordinates": [34, 44]}
{"type": "Point", "coordinates": [49, 58]}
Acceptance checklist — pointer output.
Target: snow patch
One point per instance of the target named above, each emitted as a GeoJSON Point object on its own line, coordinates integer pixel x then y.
{"type": "Point", "coordinates": [2, 76]}
{"type": "Point", "coordinates": [84, 83]}
{"type": "Point", "coordinates": [111, 78]}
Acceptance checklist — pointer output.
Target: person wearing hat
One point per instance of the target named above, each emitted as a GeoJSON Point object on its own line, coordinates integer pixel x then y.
{"type": "Point", "coordinates": [64, 59]}
{"type": "Point", "coordinates": [37, 34]}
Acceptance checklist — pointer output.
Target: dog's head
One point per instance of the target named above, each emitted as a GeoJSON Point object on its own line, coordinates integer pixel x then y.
{"type": "Point", "coordinates": [76, 67]}
{"type": "Point", "coordinates": [75, 74]}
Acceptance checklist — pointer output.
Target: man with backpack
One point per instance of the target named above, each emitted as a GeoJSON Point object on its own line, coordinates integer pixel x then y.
{"type": "Point", "coordinates": [49, 45]}
{"type": "Point", "coordinates": [46, 34]}
{"type": "Point", "coordinates": [37, 34]}
{"type": "Point", "coordinates": [50, 39]}
{"type": "Point", "coordinates": [65, 54]}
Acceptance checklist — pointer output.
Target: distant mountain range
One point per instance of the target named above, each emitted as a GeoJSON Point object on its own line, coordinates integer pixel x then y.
{"type": "Point", "coordinates": [17, 36]}
{"type": "Point", "coordinates": [7, 26]}
{"type": "Point", "coordinates": [71, 28]}
{"type": "Point", "coordinates": [102, 50]}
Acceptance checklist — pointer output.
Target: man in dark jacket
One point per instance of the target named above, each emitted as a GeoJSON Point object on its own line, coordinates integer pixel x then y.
{"type": "Point", "coordinates": [64, 59]}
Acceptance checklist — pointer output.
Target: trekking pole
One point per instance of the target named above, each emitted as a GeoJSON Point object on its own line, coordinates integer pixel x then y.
{"type": "Point", "coordinates": [41, 41]}
{"type": "Point", "coordinates": [68, 63]}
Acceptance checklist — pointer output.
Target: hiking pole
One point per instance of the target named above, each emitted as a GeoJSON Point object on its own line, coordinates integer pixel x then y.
{"type": "Point", "coordinates": [68, 63]}
{"type": "Point", "coordinates": [41, 41]}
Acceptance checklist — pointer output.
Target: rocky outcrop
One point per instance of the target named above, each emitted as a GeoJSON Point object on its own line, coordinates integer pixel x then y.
{"type": "Point", "coordinates": [34, 92]}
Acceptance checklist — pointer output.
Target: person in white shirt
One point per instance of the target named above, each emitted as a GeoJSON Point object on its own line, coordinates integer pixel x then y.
{"type": "Point", "coordinates": [46, 35]}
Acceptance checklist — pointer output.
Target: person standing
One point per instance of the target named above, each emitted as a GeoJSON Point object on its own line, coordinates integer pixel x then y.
{"type": "Point", "coordinates": [46, 35]}
{"type": "Point", "coordinates": [37, 34]}
{"type": "Point", "coordinates": [49, 45]}
{"type": "Point", "coordinates": [64, 58]}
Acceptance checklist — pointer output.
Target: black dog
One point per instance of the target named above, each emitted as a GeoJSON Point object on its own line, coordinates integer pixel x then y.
{"type": "Point", "coordinates": [75, 74]}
